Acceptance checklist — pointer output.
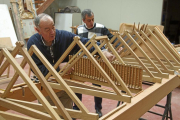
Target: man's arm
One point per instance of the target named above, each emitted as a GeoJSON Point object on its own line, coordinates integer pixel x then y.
{"type": "Point", "coordinates": [106, 32]}
{"type": "Point", "coordinates": [39, 64]}
{"type": "Point", "coordinates": [109, 56]}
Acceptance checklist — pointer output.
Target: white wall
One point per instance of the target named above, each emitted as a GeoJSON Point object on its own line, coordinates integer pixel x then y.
{"type": "Point", "coordinates": [113, 12]}
{"type": "Point", "coordinates": [7, 2]}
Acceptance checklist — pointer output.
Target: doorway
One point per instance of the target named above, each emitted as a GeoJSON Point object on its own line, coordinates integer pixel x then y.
{"type": "Point", "coordinates": [171, 20]}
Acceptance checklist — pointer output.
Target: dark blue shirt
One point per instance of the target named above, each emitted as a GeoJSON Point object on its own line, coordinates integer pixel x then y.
{"type": "Point", "coordinates": [62, 41]}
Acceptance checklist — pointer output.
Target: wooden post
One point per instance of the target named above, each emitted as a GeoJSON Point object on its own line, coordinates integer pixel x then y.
{"type": "Point", "coordinates": [17, 20]}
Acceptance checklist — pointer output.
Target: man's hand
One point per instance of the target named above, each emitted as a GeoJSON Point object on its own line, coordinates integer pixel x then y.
{"type": "Point", "coordinates": [108, 55]}
{"type": "Point", "coordinates": [120, 49]}
{"type": "Point", "coordinates": [63, 64]}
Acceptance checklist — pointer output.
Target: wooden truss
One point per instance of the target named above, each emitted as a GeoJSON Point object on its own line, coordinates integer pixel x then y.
{"type": "Point", "coordinates": [147, 56]}
{"type": "Point", "coordinates": [62, 85]}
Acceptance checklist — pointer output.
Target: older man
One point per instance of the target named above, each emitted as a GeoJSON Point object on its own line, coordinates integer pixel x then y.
{"type": "Point", "coordinates": [53, 43]}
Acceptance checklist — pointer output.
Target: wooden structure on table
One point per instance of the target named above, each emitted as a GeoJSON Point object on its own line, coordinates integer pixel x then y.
{"type": "Point", "coordinates": [30, 109]}
{"type": "Point", "coordinates": [150, 49]}
{"type": "Point", "coordinates": [140, 57]}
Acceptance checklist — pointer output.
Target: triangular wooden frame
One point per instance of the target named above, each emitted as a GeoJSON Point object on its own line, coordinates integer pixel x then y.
{"type": "Point", "coordinates": [146, 50]}
{"type": "Point", "coordinates": [72, 62]}
{"type": "Point", "coordinates": [63, 85]}
{"type": "Point", "coordinates": [28, 81]}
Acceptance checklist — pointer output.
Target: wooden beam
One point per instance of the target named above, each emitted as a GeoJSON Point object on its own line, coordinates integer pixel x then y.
{"type": "Point", "coordinates": [23, 109]}
{"type": "Point", "coordinates": [97, 93]}
{"type": "Point", "coordinates": [17, 20]}
{"type": "Point", "coordinates": [43, 7]}
{"type": "Point", "coordinates": [143, 101]}
{"type": "Point", "coordinates": [11, 116]}
{"type": "Point", "coordinates": [73, 113]}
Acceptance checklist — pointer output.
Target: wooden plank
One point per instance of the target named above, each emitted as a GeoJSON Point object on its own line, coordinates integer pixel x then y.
{"type": "Point", "coordinates": [13, 80]}
{"type": "Point", "coordinates": [74, 113]}
{"type": "Point", "coordinates": [166, 42]}
{"type": "Point", "coordinates": [158, 51]}
{"type": "Point", "coordinates": [162, 47]}
{"type": "Point", "coordinates": [74, 77]}
{"type": "Point", "coordinates": [97, 93]}
{"type": "Point", "coordinates": [136, 57]}
{"type": "Point", "coordinates": [6, 63]}
{"type": "Point", "coordinates": [6, 41]}
{"type": "Point", "coordinates": [24, 93]}
{"type": "Point", "coordinates": [11, 116]}
{"type": "Point", "coordinates": [149, 49]}
{"type": "Point", "coordinates": [17, 20]}
{"type": "Point", "coordinates": [23, 109]}
{"type": "Point", "coordinates": [43, 7]}
{"type": "Point", "coordinates": [133, 111]}
{"type": "Point", "coordinates": [142, 52]}
{"type": "Point", "coordinates": [39, 2]}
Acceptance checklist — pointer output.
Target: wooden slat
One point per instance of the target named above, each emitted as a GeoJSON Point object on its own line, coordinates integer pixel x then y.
{"type": "Point", "coordinates": [74, 113]}
{"type": "Point", "coordinates": [23, 109]}
{"type": "Point", "coordinates": [17, 20]}
{"type": "Point", "coordinates": [11, 116]}
{"type": "Point", "coordinates": [43, 7]}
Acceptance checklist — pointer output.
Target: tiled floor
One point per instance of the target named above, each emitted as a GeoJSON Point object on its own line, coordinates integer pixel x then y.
{"type": "Point", "coordinates": [109, 105]}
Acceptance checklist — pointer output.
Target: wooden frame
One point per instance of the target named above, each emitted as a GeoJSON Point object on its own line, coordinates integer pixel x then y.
{"type": "Point", "coordinates": [5, 42]}
{"type": "Point", "coordinates": [44, 6]}
{"type": "Point", "coordinates": [147, 49]}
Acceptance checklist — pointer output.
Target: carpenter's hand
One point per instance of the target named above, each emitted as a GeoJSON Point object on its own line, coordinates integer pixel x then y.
{"type": "Point", "coordinates": [63, 64]}
{"type": "Point", "coordinates": [109, 56]}
{"type": "Point", "coordinates": [119, 50]}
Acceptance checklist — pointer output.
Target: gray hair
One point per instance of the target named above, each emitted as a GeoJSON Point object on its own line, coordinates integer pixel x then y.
{"type": "Point", "coordinates": [86, 12]}
{"type": "Point", "coordinates": [39, 17]}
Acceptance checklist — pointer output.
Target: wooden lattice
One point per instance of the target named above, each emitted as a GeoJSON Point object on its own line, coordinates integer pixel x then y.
{"type": "Point", "coordinates": [131, 75]}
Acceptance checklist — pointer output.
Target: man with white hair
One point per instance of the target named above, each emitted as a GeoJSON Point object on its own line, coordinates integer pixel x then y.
{"type": "Point", "coordinates": [53, 43]}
